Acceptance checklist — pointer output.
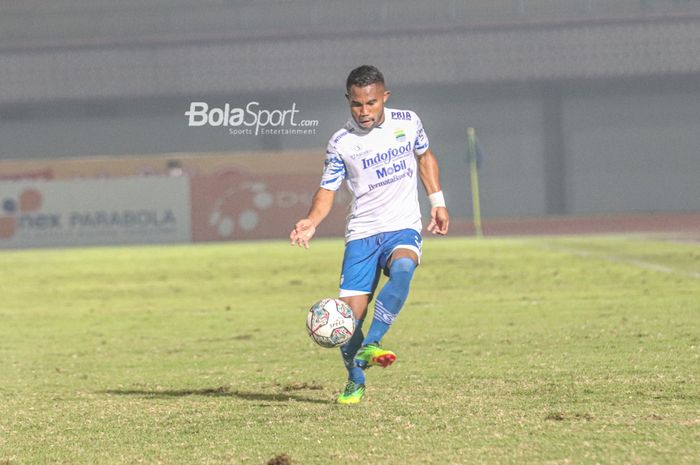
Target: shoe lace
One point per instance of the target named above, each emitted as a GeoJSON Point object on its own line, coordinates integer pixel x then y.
{"type": "Point", "coordinates": [350, 387]}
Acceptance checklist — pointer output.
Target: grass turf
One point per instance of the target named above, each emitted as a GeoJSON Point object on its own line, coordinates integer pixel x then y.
{"type": "Point", "coordinates": [511, 351]}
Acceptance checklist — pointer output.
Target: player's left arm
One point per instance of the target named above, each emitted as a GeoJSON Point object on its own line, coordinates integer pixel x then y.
{"type": "Point", "coordinates": [430, 176]}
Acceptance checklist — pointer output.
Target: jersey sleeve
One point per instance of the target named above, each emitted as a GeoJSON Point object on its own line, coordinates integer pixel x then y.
{"type": "Point", "coordinates": [421, 143]}
{"type": "Point", "coordinates": [334, 170]}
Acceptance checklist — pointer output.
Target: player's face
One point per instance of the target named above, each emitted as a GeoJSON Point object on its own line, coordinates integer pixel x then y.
{"type": "Point", "coordinates": [367, 104]}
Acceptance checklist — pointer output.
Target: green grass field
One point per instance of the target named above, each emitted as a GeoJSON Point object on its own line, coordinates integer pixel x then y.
{"type": "Point", "coordinates": [511, 351]}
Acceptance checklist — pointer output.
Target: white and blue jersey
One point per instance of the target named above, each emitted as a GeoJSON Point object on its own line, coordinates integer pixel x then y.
{"type": "Point", "coordinates": [381, 171]}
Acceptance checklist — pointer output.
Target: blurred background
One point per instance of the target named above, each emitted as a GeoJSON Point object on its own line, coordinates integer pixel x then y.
{"type": "Point", "coordinates": [581, 107]}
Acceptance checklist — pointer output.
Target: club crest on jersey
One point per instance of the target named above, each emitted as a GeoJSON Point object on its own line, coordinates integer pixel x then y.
{"type": "Point", "coordinates": [400, 135]}
{"type": "Point", "coordinates": [402, 115]}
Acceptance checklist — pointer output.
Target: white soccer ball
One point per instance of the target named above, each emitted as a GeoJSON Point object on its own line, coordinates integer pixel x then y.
{"type": "Point", "coordinates": [330, 322]}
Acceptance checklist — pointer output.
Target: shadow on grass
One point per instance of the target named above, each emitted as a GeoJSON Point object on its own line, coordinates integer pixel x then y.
{"type": "Point", "coordinates": [223, 391]}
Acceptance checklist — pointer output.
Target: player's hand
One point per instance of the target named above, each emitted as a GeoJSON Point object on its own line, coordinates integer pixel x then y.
{"type": "Point", "coordinates": [302, 233]}
{"type": "Point", "coordinates": [439, 221]}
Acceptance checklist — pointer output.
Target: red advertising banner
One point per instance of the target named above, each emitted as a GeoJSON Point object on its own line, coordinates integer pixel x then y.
{"type": "Point", "coordinates": [237, 204]}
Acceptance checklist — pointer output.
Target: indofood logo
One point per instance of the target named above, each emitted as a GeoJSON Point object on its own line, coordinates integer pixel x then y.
{"type": "Point", "coordinates": [251, 119]}
{"type": "Point", "coordinates": [386, 157]}
{"type": "Point", "coordinates": [25, 214]}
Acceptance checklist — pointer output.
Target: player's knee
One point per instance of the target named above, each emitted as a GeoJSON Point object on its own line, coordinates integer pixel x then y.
{"type": "Point", "coordinates": [402, 269]}
{"type": "Point", "coordinates": [400, 275]}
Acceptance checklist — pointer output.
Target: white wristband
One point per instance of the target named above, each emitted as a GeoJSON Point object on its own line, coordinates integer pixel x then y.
{"type": "Point", "coordinates": [437, 199]}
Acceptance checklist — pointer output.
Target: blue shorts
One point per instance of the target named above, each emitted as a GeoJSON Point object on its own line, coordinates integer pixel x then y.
{"type": "Point", "coordinates": [365, 259]}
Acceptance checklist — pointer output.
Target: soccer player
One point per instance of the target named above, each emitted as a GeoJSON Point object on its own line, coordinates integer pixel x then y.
{"type": "Point", "coordinates": [380, 152]}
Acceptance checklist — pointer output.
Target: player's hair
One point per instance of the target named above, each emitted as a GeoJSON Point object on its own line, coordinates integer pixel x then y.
{"type": "Point", "coordinates": [363, 76]}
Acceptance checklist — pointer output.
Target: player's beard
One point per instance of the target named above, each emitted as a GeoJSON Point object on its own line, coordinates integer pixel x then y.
{"type": "Point", "coordinates": [375, 120]}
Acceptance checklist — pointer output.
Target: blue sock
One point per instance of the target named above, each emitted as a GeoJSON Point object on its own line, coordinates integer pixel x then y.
{"type": "Point", "coordinates": [348, 351]}
{"type": "Point", "coordinates": [391, 298]}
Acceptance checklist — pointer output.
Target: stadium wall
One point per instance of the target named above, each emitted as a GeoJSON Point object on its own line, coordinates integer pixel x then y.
{"type": "Point", "coordinates": [618, 147]}
{"type": "Point", "coordinates": [172, 198]}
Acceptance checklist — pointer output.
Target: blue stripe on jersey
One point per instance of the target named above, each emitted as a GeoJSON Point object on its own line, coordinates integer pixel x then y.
{"type": "Point", "coordinates": [335, 169]}
{"type": "Point", "coordinates": [329, 181]}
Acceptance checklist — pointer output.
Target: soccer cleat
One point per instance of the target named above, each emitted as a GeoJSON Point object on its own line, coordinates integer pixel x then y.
{"type": "Point", "coordinates": [353, 393]}
{"type": "Point", "coordinates": [373, 355]}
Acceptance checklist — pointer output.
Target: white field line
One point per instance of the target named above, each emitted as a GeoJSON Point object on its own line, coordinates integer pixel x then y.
{"type": "Point", "coordinates": [620, 259]}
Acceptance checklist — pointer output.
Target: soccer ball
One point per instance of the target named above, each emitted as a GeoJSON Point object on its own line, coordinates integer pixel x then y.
{"type": "Point", "coordinates": [330, 322]}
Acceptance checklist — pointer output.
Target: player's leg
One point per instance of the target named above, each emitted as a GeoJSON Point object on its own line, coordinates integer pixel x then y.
{"type": "Point", "coordinates": [355, 386]}
{"type": "Point", "coordinates": [393, 295]}
{"type": "Point", "coordinates": [359, 304]}
{"type": "Point", "coordinates": [359, 278]}
{"type": "Point", "coordinates": [401, 262]}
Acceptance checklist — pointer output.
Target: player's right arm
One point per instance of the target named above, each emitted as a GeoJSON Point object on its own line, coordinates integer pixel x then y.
{"type": "Point", "coordinates": [305, 228]}
{"type": "Point", "coordinates": [334, 173]}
